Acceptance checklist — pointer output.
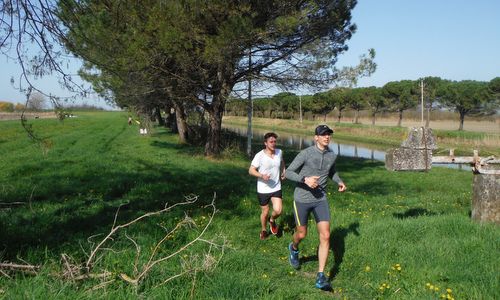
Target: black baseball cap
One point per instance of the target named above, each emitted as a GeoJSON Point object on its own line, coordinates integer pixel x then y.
{"type": "Point", "coordinates": [323, 130]}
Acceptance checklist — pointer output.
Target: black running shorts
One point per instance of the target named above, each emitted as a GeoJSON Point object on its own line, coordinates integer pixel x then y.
{"type": "Point", "coordinates": [265, 198]}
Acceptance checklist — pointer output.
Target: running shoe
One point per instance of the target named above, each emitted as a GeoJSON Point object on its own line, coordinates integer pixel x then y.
{"type": "Point", "coordinates": [293, 258]}
{"type": "Point", "coordinates": [263, 235]}
{"type": "Point", "coordinates": [273, 227]}
{"type": "Point", "coordinates": [322, 282]}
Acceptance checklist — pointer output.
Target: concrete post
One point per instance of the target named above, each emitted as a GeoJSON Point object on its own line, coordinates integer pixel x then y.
{"type": "Point", "coordinates": [486, 197]}
{"type": "Point", "coordinates": [415, 153]}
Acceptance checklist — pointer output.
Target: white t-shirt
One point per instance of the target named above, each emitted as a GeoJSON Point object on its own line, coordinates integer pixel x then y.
{"type": "Point", "coordinates": [267, 165]}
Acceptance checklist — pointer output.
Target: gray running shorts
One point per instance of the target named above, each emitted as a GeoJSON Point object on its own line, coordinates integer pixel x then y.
{"type": "Point", "coordinates": [320, 210]}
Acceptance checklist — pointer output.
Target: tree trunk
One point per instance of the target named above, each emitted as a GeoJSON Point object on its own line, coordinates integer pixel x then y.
{"type": "Point", "coordinates": [356, 116]}
{"type": "Point", "coordinates": [340, 115]}
{"type": "Point", "coordinates": [159, 118]}
{"type": "Point", "coordinates": [180, 118]}
{"type": "Point", "coordinates": [400, 119]}
{"type": "Point", "coordinates": [213, 145]}
{"type": "Point", "coordinates": [373, 118]}
{"type": "Point", "coordinates": [324, 117]}
{"type": "Point", "coordinates": [428, 120]}
{"type": "Point", "coordinates": [462, 117]}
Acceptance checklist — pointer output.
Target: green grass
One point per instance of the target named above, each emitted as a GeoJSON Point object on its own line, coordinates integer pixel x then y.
{"type": "Point", "coordinates": [97, 163]}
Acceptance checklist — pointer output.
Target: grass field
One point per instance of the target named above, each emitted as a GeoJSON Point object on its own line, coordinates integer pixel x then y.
{"type": "Point", "coordinates": [394, 235]}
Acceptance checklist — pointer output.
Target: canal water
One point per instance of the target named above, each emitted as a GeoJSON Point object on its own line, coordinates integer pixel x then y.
{"type": "Point", "coordinates": [300, 142]}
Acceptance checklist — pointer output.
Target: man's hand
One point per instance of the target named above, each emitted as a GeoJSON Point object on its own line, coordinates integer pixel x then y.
{"type": "Point", "coordinates": [283, 177]}
{"type": "Point", "coordinates": [311, 181]}
{"type": "Point", "coordinates": [265, 177]}
{"type": "Point", "coordinates": [342, 187]}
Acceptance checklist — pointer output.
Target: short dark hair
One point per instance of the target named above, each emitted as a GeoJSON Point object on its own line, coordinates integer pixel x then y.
{"type": "Point", "coordinates": [269, 135]}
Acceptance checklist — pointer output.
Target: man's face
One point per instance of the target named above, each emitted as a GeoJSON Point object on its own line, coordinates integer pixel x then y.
{"type": "Point", "coordinates": [270, 143]}
{"type": "Point", "coordinates": [323, 140]}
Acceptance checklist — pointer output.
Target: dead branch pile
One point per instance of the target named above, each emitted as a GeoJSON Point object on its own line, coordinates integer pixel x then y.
{"type": "Point", "coordinates": [192, 264]}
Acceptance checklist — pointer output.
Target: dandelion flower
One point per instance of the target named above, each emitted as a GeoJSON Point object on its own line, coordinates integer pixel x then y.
{"type": "Point", "coordinates": [448, 291]}
{"type": "Point", "coordinates": [367, 268]}
{"type": "Point", "coordinates": [264, 275]}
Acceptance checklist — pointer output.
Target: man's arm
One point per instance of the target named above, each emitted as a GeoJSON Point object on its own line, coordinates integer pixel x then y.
{"type": "Point", "coordinates": [282, 167]}
{"type": "Point", "coordinates": [291, 172]}
{"type": "Point", "coordinates": [253, 171]}
{"type": "Point", "coordinates": [335, 177]}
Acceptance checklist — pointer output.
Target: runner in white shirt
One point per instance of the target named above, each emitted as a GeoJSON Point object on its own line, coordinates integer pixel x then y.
{"type": "Point", "coordinates": [268, 166]}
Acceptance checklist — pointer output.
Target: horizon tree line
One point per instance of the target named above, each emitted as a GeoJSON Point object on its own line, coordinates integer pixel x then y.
{"type": "Point", "coordinates": [467, 98]}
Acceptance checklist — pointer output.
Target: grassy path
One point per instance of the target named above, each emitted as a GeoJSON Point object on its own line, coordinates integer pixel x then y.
{"type": "Point", "coordinates": [392, 233]}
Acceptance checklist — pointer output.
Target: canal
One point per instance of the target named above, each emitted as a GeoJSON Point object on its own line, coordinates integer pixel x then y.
{"type": "Point", "coordinates": [300, 142]}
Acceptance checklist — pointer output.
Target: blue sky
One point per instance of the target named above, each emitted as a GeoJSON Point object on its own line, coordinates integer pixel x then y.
{"type": "Point", "coordinates": [451, 39]}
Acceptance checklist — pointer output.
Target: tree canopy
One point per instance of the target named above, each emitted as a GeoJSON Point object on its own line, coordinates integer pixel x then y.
{"type": "Point", "coordinates": [198, 50]}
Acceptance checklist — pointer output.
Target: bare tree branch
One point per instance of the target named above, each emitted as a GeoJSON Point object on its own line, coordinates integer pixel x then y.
{"type": "Point", "coordinates": [114, 228]}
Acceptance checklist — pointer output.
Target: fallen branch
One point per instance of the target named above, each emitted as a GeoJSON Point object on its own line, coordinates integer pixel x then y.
{"type": "Point", "coordinates": [152, 263]}
{"type": "Point", "coordinates": [22, 268]}
{"type": "Point", "coordinates": [105, 274]}
{"type": "Point", "coordinates": [5, 274]}
{"type": "Point", "coordinates": [115, 228]}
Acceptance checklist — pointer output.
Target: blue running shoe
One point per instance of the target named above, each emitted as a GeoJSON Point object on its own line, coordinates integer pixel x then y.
{"type": "Point", "coordinates": [322, 282]}
{"type": "Point", "coordinates": [293, 258]}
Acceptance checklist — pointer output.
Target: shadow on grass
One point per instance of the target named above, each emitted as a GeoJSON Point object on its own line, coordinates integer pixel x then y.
{"type": "Point", "coordinates": [337, 245]}
{"type": "Point", "coordinates": [414, 213]}
{"type": "Point", "coordinates": [70, 205]}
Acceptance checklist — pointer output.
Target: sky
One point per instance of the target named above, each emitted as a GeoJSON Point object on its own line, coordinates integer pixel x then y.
{"type": "Point", "coordinates": [451, 39]}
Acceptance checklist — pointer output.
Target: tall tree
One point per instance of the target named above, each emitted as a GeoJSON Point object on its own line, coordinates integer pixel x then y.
{"type": "Point", "coordinates": [402, 95]}
{"type": "Point", "coordinates": [322, 103]}
{"type": "Point", "coordinates": [339, 100]}
{"type": "Point", "coordinates": [356, 99]}
{"type": "Point", "coordinates": [206, 43]}
{"type": "Point", "coordinates": [431, 86]}
{"type": "Point", "coordinates": [375, 101]}
{"type": "Point", "coordinates": [467, 97]}
{"type": "Point", "coordinates": [36, 101]}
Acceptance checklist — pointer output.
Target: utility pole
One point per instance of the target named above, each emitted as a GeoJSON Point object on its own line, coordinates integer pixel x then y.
{"type": "Point", "coordinates": [250, 106]}
{"type": "Point", "coordinates": [300, 108]}
{"type": "Point", "coordinates": [422, 100]}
